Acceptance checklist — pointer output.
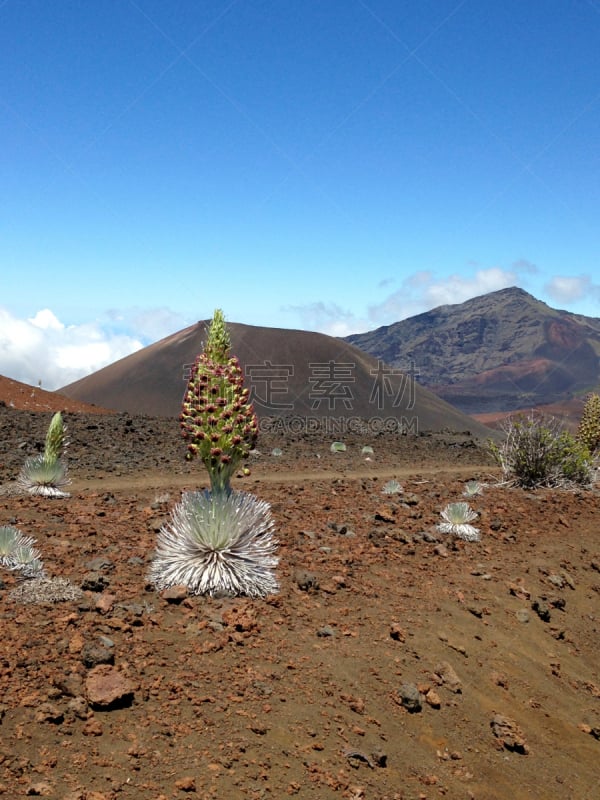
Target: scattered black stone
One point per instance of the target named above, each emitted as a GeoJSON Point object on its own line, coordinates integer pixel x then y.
{"type": "Point", "coordinates": [326, 631]}
{"type": "Point", "coordinates": [542, 609]}
{"type": "Point", "coordinates": [100, 564]}
{"type": "Point", "coordinates": [307, 581]}
{"type": "Point", "coordinates": [410, 698]}
{"type": "Point", "coordinates": [94, 653]}
{"type": "Point", "coordinates": [94, 582]}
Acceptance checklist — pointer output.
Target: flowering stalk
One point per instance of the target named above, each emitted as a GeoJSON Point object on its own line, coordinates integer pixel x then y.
{"type": "Point", "coordinates": [217, 419]}
{"type": "Point", "coordinates": [55, 439]}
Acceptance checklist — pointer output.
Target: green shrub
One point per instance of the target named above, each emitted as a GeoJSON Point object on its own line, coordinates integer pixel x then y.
{"type": "Point", "coordinates": [537, 452]}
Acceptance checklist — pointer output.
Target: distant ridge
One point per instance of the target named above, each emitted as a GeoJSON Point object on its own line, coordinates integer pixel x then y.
{"type": "Point", "coordinates": [291, 374]}
{"type": "Point", "coordinates": [24, 397]}
{"type": "Point", "coordinates": [502, 351]}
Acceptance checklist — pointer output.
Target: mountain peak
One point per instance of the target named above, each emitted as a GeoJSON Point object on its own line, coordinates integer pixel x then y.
{"type": "Point", "coordinates": [499, 351]}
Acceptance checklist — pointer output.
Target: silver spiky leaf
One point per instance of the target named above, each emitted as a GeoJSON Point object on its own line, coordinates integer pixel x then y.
{"type": "Point", "coordinates": [40, 476]}
{"type": "Point", "coordinates": [11, 542]}
{"type": "Point", "coordinates": [16, 549]}
{"type": "Point", "coordinates": [457, 517]}
{"type": "Point", "coordinates": [27, 561]}
{"type": "Point", "coordinates": [472, 488]}
{"type": "Point", "coordinates": [217, 543]}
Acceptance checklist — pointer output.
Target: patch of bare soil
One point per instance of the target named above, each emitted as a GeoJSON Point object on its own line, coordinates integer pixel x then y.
{"type": "Point", "coordinates": [23, 397]}
{"type": "Point", "coordinates": [395, 662]}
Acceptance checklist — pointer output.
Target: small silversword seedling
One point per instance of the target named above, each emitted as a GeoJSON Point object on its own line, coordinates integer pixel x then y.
{"type": "Point", "coordinates": [12, 540]}
{"type": "Point", "coordinates": [392, 487]}
{"type": "Point", "coordinates": [17, 552]}
{"type": "Point", "coordinates": [457, 518]}
{"type": "Point", "coordinates": [472, 488]}
{"type": "Point", "coordinates": [27, 561]}
{"type": "Point", "coordinates": [217, 543]}
{"type": "Point", "coordinates": [338, 447]}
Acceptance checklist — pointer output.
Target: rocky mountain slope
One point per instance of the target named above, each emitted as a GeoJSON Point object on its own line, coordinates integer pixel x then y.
{"type": "Point", "coordinates": [499, 352]}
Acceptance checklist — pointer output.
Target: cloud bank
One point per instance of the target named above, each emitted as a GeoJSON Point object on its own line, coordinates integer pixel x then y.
{"type": "Point", "coordinates": [417, 293]}
{"type": "Point", "coordinates": [42, 349]}
{"type": "Point", "coordinates": [421, 292]}
{"type": "Point", "coordinates": [570, 289]}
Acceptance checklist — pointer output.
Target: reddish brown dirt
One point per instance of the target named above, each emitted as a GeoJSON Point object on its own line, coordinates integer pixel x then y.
{"type": "Point", "coordinates": [569, 414]}
{"type": "Point", "coordinates": [298, 695]}
{"type": "Point", "coordinates": [24, 397]}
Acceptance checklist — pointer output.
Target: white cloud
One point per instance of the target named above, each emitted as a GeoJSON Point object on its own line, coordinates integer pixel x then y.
{"type": "Point", "coordinates": [42, 348]}
{"type": "Point", "coordinates": [525, 266]}
{"type": "Point", "coordinates": [45, 319]}
{"type": "Point", "coordinates": [566, 289]}
{"type": "Point", "coordinates": [326, 318]}
{"type": "Point", "coordinates": [420, 292]}
{"type": "Point", "coordinates": [150, 324]}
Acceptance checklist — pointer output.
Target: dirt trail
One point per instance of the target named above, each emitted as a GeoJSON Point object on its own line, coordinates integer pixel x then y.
{"type": "Point", "coordinates": [159, 480]}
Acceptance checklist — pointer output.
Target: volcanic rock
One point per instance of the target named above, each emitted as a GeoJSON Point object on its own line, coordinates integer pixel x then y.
{"type": "Point", "coordinates": [107, 687]}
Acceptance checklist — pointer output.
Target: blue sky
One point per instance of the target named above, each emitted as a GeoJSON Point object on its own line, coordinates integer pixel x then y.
{"type": "Point", "coordinates": [331, 165]}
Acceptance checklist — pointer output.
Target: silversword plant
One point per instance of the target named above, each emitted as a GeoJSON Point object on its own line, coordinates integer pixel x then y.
{"type": "Point", "coordinates": [588, 430]}
{"type": "Point", "coordinates": [216, 544]}
{"type": "Point", "coordinates": [392, 487]}
{"type": "Point", "coordinates": [18, 552]}
{"type": "Point", "coordinates": [46, 474]}
{"type": "Point", "coordinates": [338, 447]}
{"type": "Point", "coordinates": [11, 539]}
{"type": "Point", "coordinates": [28, 562]}
{"type": "Point", "coordinates": [219, 541]}
{"type": "Point", "coordinates": [457, 518]}
{"type": "Point", "coordinates": [472, 488]}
